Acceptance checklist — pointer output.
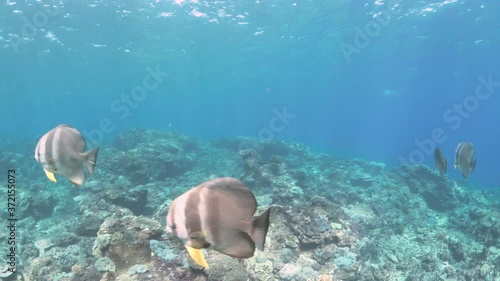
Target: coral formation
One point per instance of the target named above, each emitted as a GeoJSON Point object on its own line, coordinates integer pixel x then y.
{"type": "Point", "coordinates": [140, 153]}
{"type": "Point", "coordinates": [123, 241]}
{"type": "Point", "coordinates": [41, 245]}
{"type": "Point", "coordinates": [5, 272]}
{"type": "Point", "coordinates": [331, 219]}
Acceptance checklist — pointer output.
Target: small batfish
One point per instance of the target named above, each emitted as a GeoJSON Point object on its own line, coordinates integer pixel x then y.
{"type": "Point", "coordinates": [464, 158]}
{"type": "Point", "coordinates": [440, 161]}
{"type": "Point", "coordinates": [218, 215]}
{"type": "Point", "coordinates": [61, 151]}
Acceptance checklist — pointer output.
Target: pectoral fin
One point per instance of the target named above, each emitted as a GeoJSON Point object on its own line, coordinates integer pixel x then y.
{"type": "Point", "coordinates": [197, 255]}
{"type": "Point", "coordinates": [197, 240]}
{"type": "Point", "coordinates": [50, 175]}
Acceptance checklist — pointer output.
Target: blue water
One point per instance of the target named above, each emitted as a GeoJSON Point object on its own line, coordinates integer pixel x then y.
{"type": "Point", "coordinates": [232, 65]}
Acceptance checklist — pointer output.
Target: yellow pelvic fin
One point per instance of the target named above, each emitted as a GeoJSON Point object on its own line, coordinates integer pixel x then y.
{"type": "Point", "coordinates": [50, 176]}
{"type": "Point", "coordinates": [197, 255]}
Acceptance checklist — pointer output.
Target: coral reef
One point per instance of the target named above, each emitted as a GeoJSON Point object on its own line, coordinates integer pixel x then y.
{"type": "Point", "coordinates": [147, 156]}
{"type": "Point", "coordinates": [331, 218]}
{"type": "Point", "coordinates": [41, 245]}
{"type": "Point", "coordinates": [123, 241]}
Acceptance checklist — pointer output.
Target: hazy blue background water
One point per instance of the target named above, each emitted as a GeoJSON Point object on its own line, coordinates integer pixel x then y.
{"type": "Point", "coordinates": [231, 63]}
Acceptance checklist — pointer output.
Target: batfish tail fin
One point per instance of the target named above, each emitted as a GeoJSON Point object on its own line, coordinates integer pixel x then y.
{"type": "Point", "coordinates": [90, 159]}
{"type": "Point", "coordinates": [260, 225]}
{"type": "Point", "coordinates": [473, 165]}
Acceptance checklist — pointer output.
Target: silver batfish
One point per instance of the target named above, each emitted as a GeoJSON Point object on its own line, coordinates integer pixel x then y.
{"type": "Point", "coordinates": [218, 214]}
{"type": "Point", "coordinates": [61, 151]}
{"type": "Point", "coordinates": [464, 158]}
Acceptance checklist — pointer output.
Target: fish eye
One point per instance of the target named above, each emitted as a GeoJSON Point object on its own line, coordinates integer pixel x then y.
{"type": "Point", "coordinates": [173, 226]}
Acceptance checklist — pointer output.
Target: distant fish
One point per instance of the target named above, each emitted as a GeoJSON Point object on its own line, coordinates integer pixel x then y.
{"type": "Point", "coordinates": [464, 158]}
{"type": "Point", "coordinates": [61, 151]}
{"type": "Point", "coordinates": [218, 214]}
{"type": "Point", "coordinates": [440, 161]}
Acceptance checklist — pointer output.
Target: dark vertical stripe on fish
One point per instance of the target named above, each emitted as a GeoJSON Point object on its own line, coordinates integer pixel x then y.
{"type": "Point", "coordinates": [37, 151]}
{"type": "Point", "coordinates": [50, 146]}
{"type": "Point", "coordinates": [214, 209]}
{"type": "Point", "coordinates": [173, 224]}
{"type": "Point", "coordinates": [192, 212]}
